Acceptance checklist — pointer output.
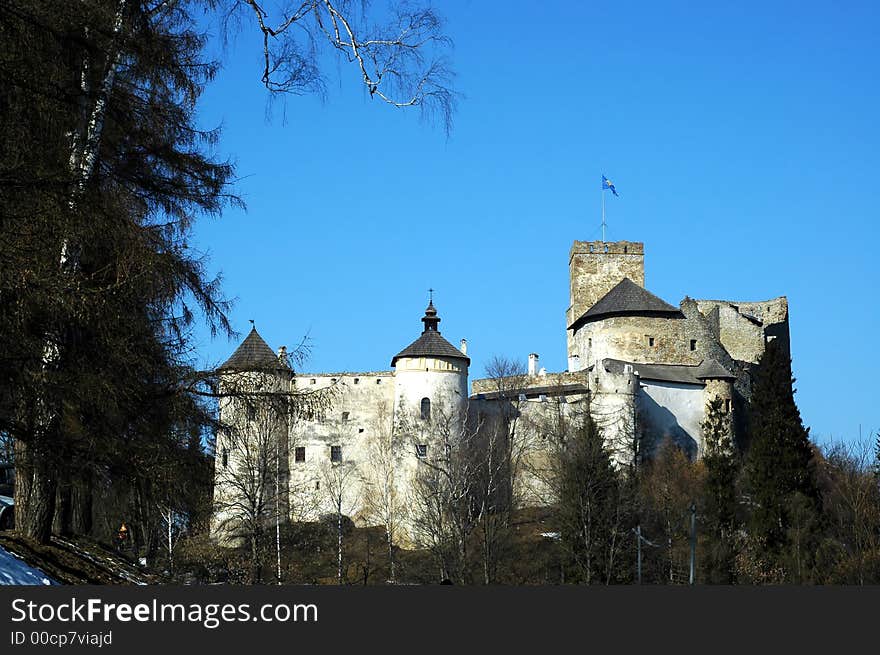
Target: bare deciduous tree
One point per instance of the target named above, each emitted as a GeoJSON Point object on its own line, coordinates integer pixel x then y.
{"type": "Point", "coordinates": [338, 480]}
{"type": "Point", "coordinates": [400, 59]}
{"type": "Point", "coordinates": [253, 451]}
{"type": "Point", "coordinates": [384, 503]}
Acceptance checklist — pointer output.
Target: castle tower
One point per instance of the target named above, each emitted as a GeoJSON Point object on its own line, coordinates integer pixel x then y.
{"type": "Point", "coordinates": [253, 423]}
{"type": "Point", "coordinates": [430, 381]}
{"type": "Point", "coordinates": [595, 267]}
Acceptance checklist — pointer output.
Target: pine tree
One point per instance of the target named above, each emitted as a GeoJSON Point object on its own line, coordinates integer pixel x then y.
{"type": "Point", "coordinates": [779, 468]}
{"type": "Point", "coordinates": [720, 511]}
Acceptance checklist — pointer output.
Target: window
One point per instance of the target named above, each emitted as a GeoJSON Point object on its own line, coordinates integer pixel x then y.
{"type": "Point", "coordinates": [225, 457]}
{"type": "Point", "coordinates": [335, 453]}
{"type": "Point", "coordinates": [357, 380]}
{"type": "Point", "coordinates": [727, 405]}
{"type": "Point", "coordinates": [299, 454]}
{"type": "Point", "coordinates": [251, 413]}
{"type": "Point", "coordinates": [421, 450]}
{"type": "Point", "coordinates": [360, 430]}
{"type": "Point", "coordinates": [693, 344]}
{"type": "Point", "coordinates": [651, 341]}
{"type": "Point", "coordinates": [590, 342]}
{"type": "Point", "coordinates": [426, 409]}
{"type": "Point", "coordinates": [317, 485]}
{"type": "Point", "coordinates": [312, 381]}
{"type": "Point", "coordinates": [378, 380]}
{"type": "Point", "coordinates": [333, 380]}
{"type": "Point", "coordinates": [345, 416]}
{"type": "Point", "coordinates": [522, 397]}
{"type": "Point", "coordinates": [542, 398]}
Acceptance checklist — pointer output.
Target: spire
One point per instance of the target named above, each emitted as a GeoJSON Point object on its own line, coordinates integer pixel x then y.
{"type": "Point", "coordinates": [430, 319]}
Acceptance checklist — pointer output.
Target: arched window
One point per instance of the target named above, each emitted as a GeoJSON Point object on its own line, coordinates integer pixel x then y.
{"type": "Point", "coordinates": [225, 457]}
{"type": "Point", "coordinates": [426, 409]}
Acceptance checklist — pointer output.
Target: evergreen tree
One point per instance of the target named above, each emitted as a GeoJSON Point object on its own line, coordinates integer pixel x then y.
{"type": "Point", "coordinates": [589, 513]}
{"type": "Point", "coordinates": [720, 511]}
{"type": "Point", "coordinates": [779, 468]}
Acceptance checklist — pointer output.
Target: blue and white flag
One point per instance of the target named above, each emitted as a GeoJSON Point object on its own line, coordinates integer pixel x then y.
{"type": "Point", "coordinates": [608, 184]}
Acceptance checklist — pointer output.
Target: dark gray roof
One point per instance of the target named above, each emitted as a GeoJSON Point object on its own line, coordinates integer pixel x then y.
{"type": "Point", "coordinates": [431, 344]}
{"type": "Point", "coordinates": [711, 369]}
{"type": "Point", "coordinates": [661, 372]}
{"type": "Point", "coordinates": [559, 390]}
{"type": "Point", "coordinates": [629, 298]}
{"type": "Point", "coordinates": [253, 354]}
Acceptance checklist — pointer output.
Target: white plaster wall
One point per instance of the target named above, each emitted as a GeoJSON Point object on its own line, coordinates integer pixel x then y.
{"type": "Point", "coordinates": [668, 408]}
{"type": "Point", "coordinates": [368, 404]}
{"type": "Point", "coordinates": [443, 380]}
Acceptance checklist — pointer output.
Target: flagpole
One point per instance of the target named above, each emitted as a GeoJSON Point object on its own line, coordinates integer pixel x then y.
{"type": "Point", "coordinates": [603, 213]}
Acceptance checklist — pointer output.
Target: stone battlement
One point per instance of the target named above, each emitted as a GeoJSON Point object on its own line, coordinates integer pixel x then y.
{"type": "Point", "coordinates": [606, 247]}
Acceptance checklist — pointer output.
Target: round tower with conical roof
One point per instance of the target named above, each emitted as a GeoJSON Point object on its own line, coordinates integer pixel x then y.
{"type": "Point", "coordinates": [430, 384]}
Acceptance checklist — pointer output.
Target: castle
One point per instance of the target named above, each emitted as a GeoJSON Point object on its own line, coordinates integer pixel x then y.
{"type": "Point", "coordinates": [639, 365]}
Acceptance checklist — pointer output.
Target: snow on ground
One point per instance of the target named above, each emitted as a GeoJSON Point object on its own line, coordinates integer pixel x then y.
{"type": "Point", "coordinates": [14, 571]}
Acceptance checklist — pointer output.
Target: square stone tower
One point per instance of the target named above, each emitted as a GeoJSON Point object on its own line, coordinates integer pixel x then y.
{"type": "Point", "coordinates": [594, 267]}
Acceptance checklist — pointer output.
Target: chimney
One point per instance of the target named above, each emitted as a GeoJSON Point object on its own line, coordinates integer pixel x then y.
{"type": "Point", "coordinates": [533, 363]}
{"type": "Point", "coordinates": [464, 346]}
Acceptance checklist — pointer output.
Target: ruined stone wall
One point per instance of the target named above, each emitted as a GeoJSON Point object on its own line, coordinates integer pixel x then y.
{"type": "Point", "coordinates": [743, 327]}
{"type": "Point", "coordinates": [595, 267]}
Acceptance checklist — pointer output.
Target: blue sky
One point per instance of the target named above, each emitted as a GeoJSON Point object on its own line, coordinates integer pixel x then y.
{"type": "Point", "coordinates": [743, 140]}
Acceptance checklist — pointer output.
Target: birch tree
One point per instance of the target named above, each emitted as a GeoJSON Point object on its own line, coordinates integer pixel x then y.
{"type": "Point", "coordinates": [384, 502]}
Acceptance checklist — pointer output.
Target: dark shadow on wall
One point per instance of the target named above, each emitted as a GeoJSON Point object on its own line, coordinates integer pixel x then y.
{"type": "Point", "coordinates": [657, 424]}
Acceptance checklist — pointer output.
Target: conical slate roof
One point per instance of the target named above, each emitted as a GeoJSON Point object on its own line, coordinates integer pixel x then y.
{"type": "Point", "coordinates": [626, 297]}
{"type": "Point", "coordinates": [254, 354]}
{"type": "Point", "coordinates": [430, 343]}
{"type": "Point", "coordinates": [711, 369]}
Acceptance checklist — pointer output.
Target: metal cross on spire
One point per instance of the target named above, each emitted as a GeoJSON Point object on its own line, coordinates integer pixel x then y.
{"type": "Point", "coordinates": [430, 296]}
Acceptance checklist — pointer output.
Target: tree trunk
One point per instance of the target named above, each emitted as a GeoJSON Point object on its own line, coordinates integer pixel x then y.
{"type": "Point", "coordinates": [35, 487]}
{"type": "Point", "coordinates": [81, 504]}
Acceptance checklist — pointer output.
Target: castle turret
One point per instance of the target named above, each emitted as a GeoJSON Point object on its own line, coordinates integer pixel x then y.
{"type": "Point", "coordinates": [430, 379]}
{"type": "Point", "coordinates": [719, 387]}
